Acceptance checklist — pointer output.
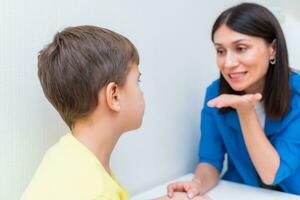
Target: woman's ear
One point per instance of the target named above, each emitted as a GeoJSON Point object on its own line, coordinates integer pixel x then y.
{"type": "Point", "coordinates": [113, 96]}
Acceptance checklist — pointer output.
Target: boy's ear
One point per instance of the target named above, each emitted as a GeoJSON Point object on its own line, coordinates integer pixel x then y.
{"type": "Point", "coordinates": [113, 96]}
{"type": "Point", "coordinates": [273, 49]}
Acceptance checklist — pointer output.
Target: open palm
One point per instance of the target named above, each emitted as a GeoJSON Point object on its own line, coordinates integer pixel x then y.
{"type": "Point", "coordinates": [238, 102]}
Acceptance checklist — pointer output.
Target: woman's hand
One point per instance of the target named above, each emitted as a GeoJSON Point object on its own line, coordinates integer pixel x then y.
{"type": "Point", "coordinates": [191, 188]}
{"type": "Point", "coordinates": [182, 196]}
{"type": "Point", "coordinates": [205, 177]}
{"type": "Point", "coordinates": [239, 102]}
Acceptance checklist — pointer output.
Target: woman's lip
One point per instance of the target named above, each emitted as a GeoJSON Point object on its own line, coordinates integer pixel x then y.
{"type": "Point", "coordinates": [236, 75]}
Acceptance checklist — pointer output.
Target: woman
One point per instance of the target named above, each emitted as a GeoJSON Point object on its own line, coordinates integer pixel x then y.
{"type": "Point", "coordinates": [252, 112]}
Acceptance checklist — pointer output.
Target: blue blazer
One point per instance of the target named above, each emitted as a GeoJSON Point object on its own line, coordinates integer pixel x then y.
{"type": "Point", "coordinates": [221, 134]}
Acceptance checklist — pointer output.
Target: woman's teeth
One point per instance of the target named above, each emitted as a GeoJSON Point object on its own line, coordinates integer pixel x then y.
{"type": "Point", "coordinates": [237, 75]}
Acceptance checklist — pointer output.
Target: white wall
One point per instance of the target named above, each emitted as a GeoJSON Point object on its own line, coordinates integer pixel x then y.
{"type": "Point", "coordinates": [177, 63]}
{"type": "Point", "coordinates": [289, 16]}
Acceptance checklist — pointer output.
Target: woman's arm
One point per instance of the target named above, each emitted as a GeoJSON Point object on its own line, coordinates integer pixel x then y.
{"type": "Point", "coordinates": [207, 176]}
{"type": "Point", "coordinates": [262, 153]}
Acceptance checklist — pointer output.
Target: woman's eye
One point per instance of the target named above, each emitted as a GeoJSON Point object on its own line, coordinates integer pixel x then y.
{"type": "Point", "coordinates": [241, 49]}
{"type": "Point", "coordinates": [220, 52]}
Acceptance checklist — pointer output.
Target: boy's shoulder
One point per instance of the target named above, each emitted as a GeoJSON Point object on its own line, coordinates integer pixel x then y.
{"type": "Point", "coordinates": [68, 171]}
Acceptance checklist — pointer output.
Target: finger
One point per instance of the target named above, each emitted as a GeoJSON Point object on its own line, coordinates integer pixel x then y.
{"type": "Point", "coordinates": [218, 103]}
{"type": "Point", "coordinates": [170, 190]}
{"type": "Point", "coordinates": [211, 103]}
{"type": "Point", "coordinates": [253, 98]}
{"type": "Point", "coordinates": [224, 100]}
{"type": "Point", "coordinates": [192, 192]}
{"type": "Point", "coordinates": [178, 187]}
{"type": "Point", "coordinates": [257, 97]}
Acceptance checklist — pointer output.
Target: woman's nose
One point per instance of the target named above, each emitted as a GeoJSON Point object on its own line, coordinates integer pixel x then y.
{"type": "Point", "coordinates": [230, 61]}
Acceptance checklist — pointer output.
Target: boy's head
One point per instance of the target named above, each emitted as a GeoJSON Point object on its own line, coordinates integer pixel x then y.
{"type": "Point", "coordinates": [78, 63]}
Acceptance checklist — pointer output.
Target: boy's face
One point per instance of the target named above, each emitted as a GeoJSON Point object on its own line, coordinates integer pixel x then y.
{"type": "Point", "coordinates": [132, 100]}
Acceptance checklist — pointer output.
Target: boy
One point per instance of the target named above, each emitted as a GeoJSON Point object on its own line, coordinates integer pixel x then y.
{"type": "Point", "coordinates": [91, 76]}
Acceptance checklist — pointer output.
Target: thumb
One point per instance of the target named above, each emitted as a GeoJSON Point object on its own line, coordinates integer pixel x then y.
{"type": "Point", "coordinates": [257, 97]}
{"type": "Point", "coordinates": [191, 193]}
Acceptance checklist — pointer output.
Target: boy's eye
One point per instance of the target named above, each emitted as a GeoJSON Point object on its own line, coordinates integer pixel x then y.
{"type": "Point", "coordinates": [139, 79]}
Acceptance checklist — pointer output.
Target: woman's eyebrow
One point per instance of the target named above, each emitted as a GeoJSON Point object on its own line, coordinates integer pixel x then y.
{"type": "Point", "coordinates": [234, 42]}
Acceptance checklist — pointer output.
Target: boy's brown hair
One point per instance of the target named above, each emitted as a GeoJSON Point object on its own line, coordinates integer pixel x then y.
{"type": "Point", "coordinates": [78, 63]}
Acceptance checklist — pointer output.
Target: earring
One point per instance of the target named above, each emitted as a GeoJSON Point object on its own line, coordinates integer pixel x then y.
{"type": "Point", "coordinates": [273, 61]}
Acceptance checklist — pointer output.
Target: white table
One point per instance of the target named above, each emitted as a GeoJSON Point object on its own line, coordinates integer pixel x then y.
{"type": "Point", "coordinates": [225, 190]}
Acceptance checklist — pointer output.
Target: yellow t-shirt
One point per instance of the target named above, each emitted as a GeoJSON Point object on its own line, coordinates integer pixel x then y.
{"type": "Point", "coordinates": [69, 171]}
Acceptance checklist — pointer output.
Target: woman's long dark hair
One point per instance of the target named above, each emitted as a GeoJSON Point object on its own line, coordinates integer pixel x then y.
{"type": "Point", "coordinates": [255, 20]}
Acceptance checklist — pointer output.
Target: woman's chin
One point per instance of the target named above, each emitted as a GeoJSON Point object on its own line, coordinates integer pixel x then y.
{"type": "Point", "coordinates": [238, 89]}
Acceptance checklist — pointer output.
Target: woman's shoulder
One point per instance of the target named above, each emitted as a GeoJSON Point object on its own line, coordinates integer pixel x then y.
{"type": "Point", "coordinates": [213, 89]}
{"type": "Point", "coordinates": [214, 86]}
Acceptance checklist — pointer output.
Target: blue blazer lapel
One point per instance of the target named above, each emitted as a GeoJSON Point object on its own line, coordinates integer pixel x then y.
{"type": "Point", "coordinates": [232, 119]}
{"type": "Point", "coordinates": [276, 126]}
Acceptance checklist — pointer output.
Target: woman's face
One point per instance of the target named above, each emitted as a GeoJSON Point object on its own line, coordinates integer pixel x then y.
{"type": "Point", "coordinates": [242, 59]}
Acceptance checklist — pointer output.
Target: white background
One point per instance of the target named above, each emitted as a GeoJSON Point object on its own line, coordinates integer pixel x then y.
{"type": "Point", "coordinates": [177, 63]}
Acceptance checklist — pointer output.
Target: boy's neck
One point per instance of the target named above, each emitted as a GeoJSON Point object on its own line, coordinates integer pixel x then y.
{"type": "Point", "coordinates": [100, 137]}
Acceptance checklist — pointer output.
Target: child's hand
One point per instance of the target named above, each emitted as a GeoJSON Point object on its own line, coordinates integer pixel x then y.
{"type": "Point", "coordinates": [190, 188]}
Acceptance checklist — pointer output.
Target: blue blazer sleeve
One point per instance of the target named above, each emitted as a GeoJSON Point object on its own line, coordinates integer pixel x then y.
{"type": "Point", "coordinates": [287, 143]}
{"type": "Point", "coordinates": [211, 148]}
{"type": "Point", "coordinates": [288, 148]}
